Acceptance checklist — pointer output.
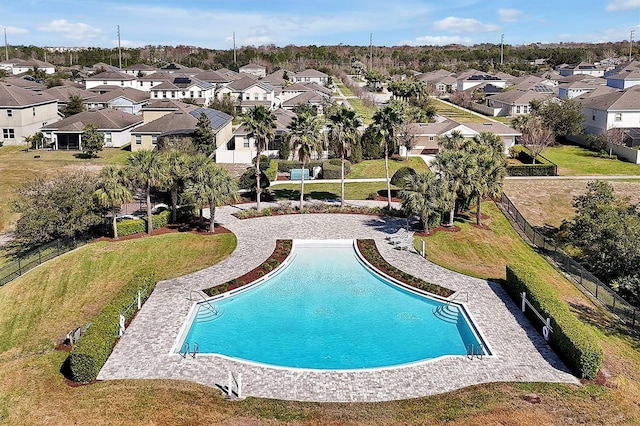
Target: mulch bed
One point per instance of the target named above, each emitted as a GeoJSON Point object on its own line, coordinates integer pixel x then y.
{"type": "Point", "coordinates": [169, 229]}
{"type": "Point", "coordinates": [438, 228]}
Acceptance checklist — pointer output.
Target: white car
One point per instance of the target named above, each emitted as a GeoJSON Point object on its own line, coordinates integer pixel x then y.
{"type": "Point", "coordinates": [127, 217]}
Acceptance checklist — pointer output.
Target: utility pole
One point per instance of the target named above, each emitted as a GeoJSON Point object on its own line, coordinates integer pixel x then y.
{"type": "Point", "coordinates": [630, 42]}
{"type": "Point", "coordinates": [119, 50]}
{"type": "Point", "coordinates": [234, 47]}
{"type": "Point", "coordinates": [6, 46]}
{"type": "Point", "coordinates": [371, 52]}
{"type": "Point", "coordinates": [502, 50]}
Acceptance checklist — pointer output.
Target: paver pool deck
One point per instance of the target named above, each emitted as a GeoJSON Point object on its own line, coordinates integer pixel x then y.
{"type": "Point", "coordinates": [519, 353]}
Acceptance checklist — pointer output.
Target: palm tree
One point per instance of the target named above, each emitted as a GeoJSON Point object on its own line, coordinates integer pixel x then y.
{"type": "Point", "coordinates": [457, 170]}
{"type": "Point", "coordinates": [260, 122]}
{"type": "Point", "coordinates": [147, 170]}
{"type": "Point", "coordinates": [176, 173]}
{"type": "Point", "coordinates": [386, 122]}
{"type": "Point", "coordinates": [421, 196]}
{"type": "Point", "coordinates": [197, 167]}
{"type": "Point", "coordinates": [210, 185]}
{"type": "Point", "coordinates": [344, 125]}
{"type": "Point", "coordinates": [113, 192]}
{"type": "Point", "coordinates": [491, 168]}
{"type": "Point", "coordinates": [304, 134]}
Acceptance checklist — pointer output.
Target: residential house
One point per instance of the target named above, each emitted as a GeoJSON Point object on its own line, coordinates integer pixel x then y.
{"type": "Point", "coordinates": [473, 78]}
{"type": "Point", "coordinates": [247, 93]}
{"type": "Point", "coordinates": [140, 70]}
{"type": "Point", "coordinates": [178, 120]}
{"type": "Point", "coordinates": [184, 87]}
{"type": "Point", "coordinates": [241, 149]}
{"type": "Point", "coordinates": [123, 99]}
{"type": "Point", "coordinates": [254, 69]}
{"type": "Point", "coordinates": [310, 76]}
{"type": "Point", "coordinates": [578, 88]}
{"type": "Point", "coordinates": [624, 79]}
{"type": "Point", "coordinates": [581, 68]}
{"type": "Point", "coordinates": [23, 112]}
{"type": "Point", "coordinates": [427, 135]}
{"type": "Point", "coordinates": [149, 81]}
{"type": "Point", "coordinates": [112, 78]}
{"type": "Point", "coordinates": [620, 109]}
{"type": "Point", "coordinates": [64, 93]}
{"type": "Point", "coordinates": [277, 78]}
{"type": "Point", "coordinates": [309, 97]}
{"type": "Point", "coordinates": [20, 66]}
{"type": "Point", "coordinates": [515, 102]}
{"type": "Point", "coordinates": [115, 125]}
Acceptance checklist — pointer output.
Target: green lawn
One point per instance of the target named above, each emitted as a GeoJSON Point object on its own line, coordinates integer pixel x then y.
{"type": "Point", "coordinates": [375, 168]}
{"type": "Point", "coordinates": [17, 166]}
{"type": "Point", "coordinates": [325, 191]}
{"type": "Point", "coordinates": [461, 116]}
{"type": "Point", "coordinates": [364, 112]}
{"type": "Point", "coordinates": [577, 161]}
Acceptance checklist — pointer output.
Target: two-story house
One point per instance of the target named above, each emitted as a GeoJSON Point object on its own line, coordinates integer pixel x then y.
{"type": "Point", "coordinates": [23, 112]}
{"type": "Point", "coordinates": [254, 69]}
{"type": "Point", "coordinates": [184, 87]}
{"type": "Point", "coordinates": [619, 109]}
{"type": "Point", "coordinates": [121, 98]}
{"type": "Point", "coordinates": [111, 78]}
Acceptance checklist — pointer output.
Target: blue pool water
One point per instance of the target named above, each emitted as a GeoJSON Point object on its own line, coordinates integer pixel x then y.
{"type": "Point", "coordinates": [327, 311]}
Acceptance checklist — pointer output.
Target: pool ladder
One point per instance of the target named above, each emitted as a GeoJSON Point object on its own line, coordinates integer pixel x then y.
{"type": "Point", "coordinates": [212, 308]}
{"type": "Point", "coordinates": [186, 349]}
{"type": "Point", "coordinates": [476, 350]}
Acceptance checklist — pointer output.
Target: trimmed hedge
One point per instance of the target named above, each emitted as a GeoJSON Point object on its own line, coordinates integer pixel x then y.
{"type": "Point", "coordinates": [161, 219]}
{"type": "Point", "coordinates": [543, 166]}
{"type": "Point", "coordinates": [573, 341]}
{"type": "Point", "coordinates": [331, 169]}
{"type": "Point", "coordinates": [91, 351]}
{"type": "Point", "coordinates": [131, 226]}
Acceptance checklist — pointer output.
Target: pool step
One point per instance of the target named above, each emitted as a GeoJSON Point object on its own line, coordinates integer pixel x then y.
{"type": "Point", "coordinates": [446, 313]}
{"type": "Point", "coordinates": [208, 315]}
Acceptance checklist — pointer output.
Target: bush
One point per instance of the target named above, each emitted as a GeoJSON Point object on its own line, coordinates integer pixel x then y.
{"type": "Point", "coordinates": [398, 177]}
{"type": "Point", "coordinates": [131, 226]}
{"type": "Point", "coordinates": [265, 162]}
{"type": "Point", "coordinates": [161, 219]}
{"type": "Point", "coordinates": [331, 170]}
{"type": "Point", "coordinates": [248, 180]}
{"type": "Point", "coordinates": [285, 150]}
{"type": "Point", "coordinates": [356, 153]}
{"type": "Point", "coordinates": [272, 171]}
{"type": "Point", "coordinates": [573, 341]}
{"type": "Point", "coordinates": [543, 166]}
{"type": "Point", "coordinates": [92, 350]}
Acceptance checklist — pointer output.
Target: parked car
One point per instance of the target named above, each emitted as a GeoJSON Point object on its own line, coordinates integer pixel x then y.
{"type": "Point", "coordinates": [127, 217]}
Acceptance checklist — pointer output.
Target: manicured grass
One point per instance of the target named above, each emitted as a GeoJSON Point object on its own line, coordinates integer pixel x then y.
{"type": "Point", "coordinates": [577, 161]}
{"type": "Point", "coordinates": [364, 112]}
{"type": "Point", "coordinates": [456, 114]}
{"type": "Point", "coordinates": [326, 191]}
{"type": "Point", "coordinates": [375, 168]}
{"type": "Point", "coordinates": [344, 89]}
{"type": "Point", "coordinates": [17, 166]}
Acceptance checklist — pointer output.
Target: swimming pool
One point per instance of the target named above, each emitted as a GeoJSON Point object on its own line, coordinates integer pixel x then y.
{"type": "Point", "coordinates": [326, 310]}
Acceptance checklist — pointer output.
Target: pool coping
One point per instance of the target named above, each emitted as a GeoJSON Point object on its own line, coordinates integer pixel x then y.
{"type": "Point", "coordinates": [519, 351]}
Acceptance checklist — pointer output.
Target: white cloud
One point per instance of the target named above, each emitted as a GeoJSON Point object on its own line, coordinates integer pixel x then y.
{"type": "Point", "coordinates": [14, 30]}
{"type": "Point", "coordinates": [617, 5]}
{"type": "Point", "coordinates": [464, 25]}
{"type": "Point", "coordinates": [509, 15]}
{"type": "Point", "coordinates": [435, 41]}
{"type": "Point", "coordinates": [74, 31]}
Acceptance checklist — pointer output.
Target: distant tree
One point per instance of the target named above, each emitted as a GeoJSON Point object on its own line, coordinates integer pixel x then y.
{"type": "Point", "coordinates": [53, 81]}
{"type": "Point", "coordinates": [74, 106]}
{"type": "Point", "coordinates": [204, 138]}
{"type": "Point", "coordinates": [343, 125]}
{"type": "Point", "coordinates": [112, 192]}
{"type": "Point", "coordinates": [536, 136]}
{"type": "Point", "coordinates": [563, 117]}
{"type": "Point", "coordinates": [305, 109]}
{"type": "Point", "coordinates": [615, 137]}
{"type": "Point", "coordinates": [92, 140]}
{"type": "Point", "coordinates": [225, 105]}
{"type": "Point", "coordinates": [37, 73]}
{"type": "Point", "coordinates": [61, 207]}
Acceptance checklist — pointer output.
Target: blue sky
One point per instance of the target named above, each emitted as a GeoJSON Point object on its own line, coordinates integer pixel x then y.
{"type": "Point", "coordinates": [209, 23]}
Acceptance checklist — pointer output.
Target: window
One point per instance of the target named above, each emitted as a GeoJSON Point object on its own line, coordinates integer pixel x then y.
{"type": "Point", "coordinates": [8, 134]}
{"type": "Point", "coordinates": [104, 82]}
{"type": "Point", "coordinates": [265, 97]}
{"type": "Point", "coordinates": [138, 139]}
{"type": "Point", "coordinates": [191, 94]}
{"type": "Point", "coordinates": [9, 113]}
{"type": "Point", "coordinates": [430, 138]}
{"type": "Point", "coordinates": [593, 117]}
{"type": "Point", "coordinates": [141, 83]}
{"type": "Point", "coordinates": [518, 109]}
{"type": "Point", "coordinates": [164, 93]}
{"type": "Point", "coordinates": [121, 82]}
{"type": "Point", "coordinates": [255, 96]}
{"type": "Point", "coordinates": [247, 96]}
{"type": "Point", "coordinates": [199, 93]}
{"type": "Point", "coordinates": [173, 93]}
{"type": "Point", "coordinates": [184, 93]}
{"type": "Point", "coordinates": [154, 139]}
{"type": "Point", "coordinates": [155, 94]}
{"type": "Point", "coordinates": [107, 138]}
{"type": "Point", "coordinates": [245, 142]}
{"type": "Point", "coordinates": [33, 110]}
{"type": "Point", "coordinates": [618, 116]}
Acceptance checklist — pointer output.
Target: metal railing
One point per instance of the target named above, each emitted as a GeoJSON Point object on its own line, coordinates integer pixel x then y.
{"type": "Point", "coordinates": [23, 264]}
{"type": "Point", "coordinates": [585, 279]}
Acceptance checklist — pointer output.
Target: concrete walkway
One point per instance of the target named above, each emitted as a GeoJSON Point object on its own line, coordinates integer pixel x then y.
{"type": "Point", "coordinates": [144, 352]}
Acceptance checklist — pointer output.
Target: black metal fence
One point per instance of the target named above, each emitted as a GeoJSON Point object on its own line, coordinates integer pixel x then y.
{"type": "Point", "coordinates": [23, 264]}
{"type": "Point", "coordinates": [609, 298]}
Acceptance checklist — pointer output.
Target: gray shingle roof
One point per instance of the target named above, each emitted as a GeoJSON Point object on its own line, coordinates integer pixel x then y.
{"type": "Point", "coordinates": [13, 96]}
{"type": "Point", "coordinates": [105, 119]}
{"type": "Point", "coordinates": [618, 101]}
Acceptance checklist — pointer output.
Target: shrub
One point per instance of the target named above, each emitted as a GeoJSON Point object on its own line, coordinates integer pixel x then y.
{"type": "Point", "coordinates": [272, 171]}
{"type": "Point", "coordinates": [265, 162]}
{"type": "Point", "coordinates": [92, 350]}
{"type": "Point", "coordinates": [331, 170]}
{"type": "Point", "coordinates": [248, 180]}
{"type": "Point", "coordinates": [131, 226]}
{"type": "Point", "coordinates": [398, 177]}
{"type": "Point", "coordinates": [573, 341]}
{"type": "Point", "coordinates": [284, 151]}
{"type": "Point", "coordinates": [161, 219]}
{"type": "Point", "coordinates": [356, 153]}
{"type": "Point", "coordinates": [543, 166]}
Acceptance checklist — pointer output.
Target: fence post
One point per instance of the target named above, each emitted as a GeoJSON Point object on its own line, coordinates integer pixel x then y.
{"type": "Point", "coordinates": [597, 285]}
{"type": "Point", "coordinates": [139, 301]}
{"type": "Point", "coordinates": [524, 301]}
